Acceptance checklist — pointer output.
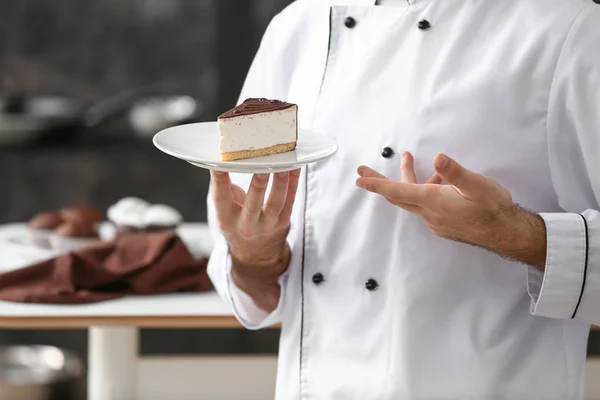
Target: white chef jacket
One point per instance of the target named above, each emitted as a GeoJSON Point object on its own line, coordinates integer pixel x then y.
{"type": "Point", "coordinates": [510, 89]}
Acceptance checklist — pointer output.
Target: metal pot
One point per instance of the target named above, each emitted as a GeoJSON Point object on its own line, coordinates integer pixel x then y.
{"type": "Point", "coordinates": [39, 373]}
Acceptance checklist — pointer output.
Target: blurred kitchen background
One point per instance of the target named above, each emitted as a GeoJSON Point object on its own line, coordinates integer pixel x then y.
{"type": "Point", "coordinates": [87, 84]}
{"type": "Point", "coordinates": [90, 82]}
{"type": "Point", "coordinates": [104, 55]}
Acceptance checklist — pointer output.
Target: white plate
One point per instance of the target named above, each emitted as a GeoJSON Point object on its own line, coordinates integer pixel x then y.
{"type": "Point", "coordinates": [198, 144]}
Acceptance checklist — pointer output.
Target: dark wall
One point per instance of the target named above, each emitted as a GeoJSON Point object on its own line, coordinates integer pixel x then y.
{"type": "Point", "coordinates": [94, 48]}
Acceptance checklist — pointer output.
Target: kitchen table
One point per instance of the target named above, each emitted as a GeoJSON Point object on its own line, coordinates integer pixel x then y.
{"type": "Point", "coordinates": [113, 325]}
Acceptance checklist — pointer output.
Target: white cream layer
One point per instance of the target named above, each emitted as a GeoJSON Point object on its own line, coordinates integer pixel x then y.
{"type": "Point", "coordinates": [257, 131]}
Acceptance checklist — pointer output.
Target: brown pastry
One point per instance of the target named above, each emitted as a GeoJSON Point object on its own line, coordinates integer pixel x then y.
{"type": "Point", "coordinates": [76, 229]}
{"type": "Point", "coordinates": [45, 220]}
{"type": "Point", "coordinates": [83, 214]}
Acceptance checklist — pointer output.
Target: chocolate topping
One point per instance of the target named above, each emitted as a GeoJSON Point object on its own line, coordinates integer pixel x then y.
{"type": "Point", "coordinates": [256, 106]}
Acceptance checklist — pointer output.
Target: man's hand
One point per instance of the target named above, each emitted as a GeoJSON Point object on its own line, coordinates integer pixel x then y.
{"type": "Point", "coordinates": [256, 231]}
{"type": "Point", "coordinates": [472, 209]}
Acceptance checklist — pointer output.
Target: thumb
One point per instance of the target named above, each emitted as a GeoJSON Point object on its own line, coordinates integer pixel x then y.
{"type": "Point", "coordinates": [239, 196]}
{"type": "Point", "coordinates": [466, 181]}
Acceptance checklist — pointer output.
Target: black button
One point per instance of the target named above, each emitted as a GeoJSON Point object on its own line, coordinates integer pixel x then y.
{"type": "Point", "coordinates": [424, 24]}
{"type": "Point", "coordinates": [318, 278]}
{"type": "Point", "coordinates": [387, 152]}
{"type": "Point", "coordinates": [350, 22]}
{"type": "Point", "coordinates": [371, 284]}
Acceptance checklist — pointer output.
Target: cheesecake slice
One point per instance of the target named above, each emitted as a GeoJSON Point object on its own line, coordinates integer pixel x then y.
{"type": "Point", "coordinates": [256, 128]}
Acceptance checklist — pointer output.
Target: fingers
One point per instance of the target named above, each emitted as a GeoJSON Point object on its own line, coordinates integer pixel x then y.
{"type": "Point", "coordinates": [407, 171]}
{"type": "Point", "coordinates": [221, 192]}
{"type": "Point", "coordinates": [239, 196]}
{"type": "Point", "coordinates": [367, 172]}
{"type": "Point", "coordinates": [407, 168]}
{"type": "Point", "coordinates": [455, 174]}
{"type": "Point", "coordinates": [435, 179]}
{"type": "Point", "coordinates": [253, 204]}
{"type": "Point", "coordinates": [276, 200]}
{"type": "Point", "coordinates": [221, 187]}
{"type": "Point", "coordinates": [290, 197]}
{"type": "Point", "coordinates": [408, 207]}
{"type": "Point", "coordinates": [410, 193]}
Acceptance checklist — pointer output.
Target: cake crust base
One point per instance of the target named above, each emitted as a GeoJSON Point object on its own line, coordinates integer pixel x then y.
{"type": "Point", "coordinates": [267, 151]}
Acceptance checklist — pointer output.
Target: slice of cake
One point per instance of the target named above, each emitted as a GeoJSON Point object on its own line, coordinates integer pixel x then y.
{"type": "Point", "coordinates": [256, 128]}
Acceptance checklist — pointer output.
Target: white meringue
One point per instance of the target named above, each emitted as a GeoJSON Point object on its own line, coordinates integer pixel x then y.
{"type": "Point", "coordinates": [161, 215]}
{"type": "Point", "coordinates": [130, 203]}
{"type": "Point", "coordinates": [138, 213]}
{"type": "Point", "coordinates": [128, 211]}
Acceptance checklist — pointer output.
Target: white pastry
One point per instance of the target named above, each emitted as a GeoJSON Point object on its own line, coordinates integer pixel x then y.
{"type": "Point", "coordinates": [161, 215]}
{"type": "Point", "coordinates": [128, 212]}
{"type": "Point", "coordinates": [132, 217]}
{"type": "Point", "coordinates": [133, 212]}
{"type": "Point", "coordinates": [130, 203]}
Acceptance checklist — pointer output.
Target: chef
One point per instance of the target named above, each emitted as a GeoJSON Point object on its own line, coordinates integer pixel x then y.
{"type": "Point", "coordinates": [451, 248]}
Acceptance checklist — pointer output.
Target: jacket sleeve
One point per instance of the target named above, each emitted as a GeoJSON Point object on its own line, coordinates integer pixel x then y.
{"type": "Point", "coordinates": [265, 79]}
{"type": "Point", "coordinates": [570, 285]}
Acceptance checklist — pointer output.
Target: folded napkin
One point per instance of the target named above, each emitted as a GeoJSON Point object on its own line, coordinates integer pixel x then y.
{"type": "Point", "coordinates": [132, 264]}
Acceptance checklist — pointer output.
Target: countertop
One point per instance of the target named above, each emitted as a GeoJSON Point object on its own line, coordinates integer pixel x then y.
{"type": "Point", "coordinates": [173, 310]}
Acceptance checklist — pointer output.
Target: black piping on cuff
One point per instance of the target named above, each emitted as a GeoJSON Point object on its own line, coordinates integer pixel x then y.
{"type": "Point", "coordinates": [587, 250]}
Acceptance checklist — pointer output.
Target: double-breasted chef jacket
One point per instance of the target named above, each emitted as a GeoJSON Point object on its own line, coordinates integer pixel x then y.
{"type": "Point", "coordinates": [373, 304]}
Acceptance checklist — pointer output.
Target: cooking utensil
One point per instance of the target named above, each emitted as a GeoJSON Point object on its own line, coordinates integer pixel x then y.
{"type": "Point", "coordinates": [26, 118]}
{"type": "Point", "coordinates": [39, 373]}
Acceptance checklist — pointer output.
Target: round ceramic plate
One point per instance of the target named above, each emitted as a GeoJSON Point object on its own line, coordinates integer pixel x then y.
{"type": "Point", "coordinates": [198, 144]}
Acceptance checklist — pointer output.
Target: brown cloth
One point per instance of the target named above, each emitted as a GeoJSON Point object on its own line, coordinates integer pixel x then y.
{"type": "Point", "coordinates": [133, 264]}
